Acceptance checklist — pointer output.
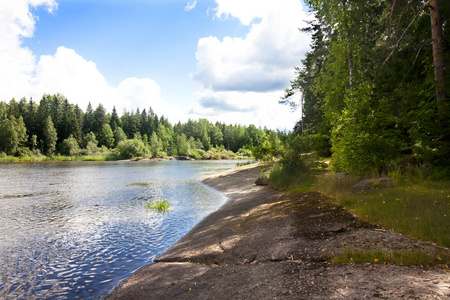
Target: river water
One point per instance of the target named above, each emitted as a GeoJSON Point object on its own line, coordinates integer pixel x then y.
{"type": "Point", "coordinates": [73, 230]}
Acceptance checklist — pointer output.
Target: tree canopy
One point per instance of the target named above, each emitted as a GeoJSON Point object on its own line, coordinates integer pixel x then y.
{"type": "Point", "coordinates": [54, 125]}
{"type": "Point", "coordinates": [369, 83]}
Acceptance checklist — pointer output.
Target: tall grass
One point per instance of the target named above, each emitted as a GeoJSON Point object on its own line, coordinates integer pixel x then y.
{"type": "Point", "coordinates": [416, 207]}
{"type": "Point", "coordinates": [295, 175]}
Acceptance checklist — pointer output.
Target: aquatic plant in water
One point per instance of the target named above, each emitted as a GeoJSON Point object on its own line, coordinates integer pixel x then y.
{"type": "Point", "coordinates": [158, 205]}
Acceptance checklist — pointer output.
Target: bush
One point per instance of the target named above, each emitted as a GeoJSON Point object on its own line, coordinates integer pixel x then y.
{"type": "Point", "coordinates": [24, 151]}
{"type": "Point", "coordinates": [244, 152]}
{"type": "Point", "coordinates": [321, 144]}
{"type": "Point", "coordinates": [70, 147]}
{"type": "Point", "coordinates": [291, 167]}
{"type": "Point", "coordinates": [131, 148]}
{"type": "Point", "coordinates": [362, 153]}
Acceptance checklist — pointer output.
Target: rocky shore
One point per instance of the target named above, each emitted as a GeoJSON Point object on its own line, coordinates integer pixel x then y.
{"type": "Point", "coordinates": [263, 244]}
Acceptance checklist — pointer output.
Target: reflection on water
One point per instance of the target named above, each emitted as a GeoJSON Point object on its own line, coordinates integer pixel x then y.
{"type": "Point", "coordinates": [73, 230]}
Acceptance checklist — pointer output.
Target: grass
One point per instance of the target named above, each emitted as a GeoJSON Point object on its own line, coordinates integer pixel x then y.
{"type": "Point", "coordinates": [246, 163]}
{"type": "Point", "coordinates": [160, 206]}
{"type": "Point", "coordinates": [415, 206]}
{"type": "Point", "coordinates": [420, 210]}
{"type": "Point", "coordinates": [298, 179]}
{"type": "Point", "coordinates": [37, 158]}
{"type": "Point", "coordinates": [402, 258]}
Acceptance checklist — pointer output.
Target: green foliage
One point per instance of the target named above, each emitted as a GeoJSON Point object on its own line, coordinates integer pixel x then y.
{"type": "Point", "coordinates": [50, 137]}
{"type": "Point", "coordinates": [130, 149]}
{"type": "Point", "coordinates": [119, 136]}
{"type": "Point", "coordinates": [291, 167]}
{"type": "Point", "coordinates": [244, 153]}
{"type": "Point", "coordinates": [12, 134]}
{"type": "Point", "coordinates": [92, 129]}
{"type": "Point", "coordinates": [321, 144]}
{"type": "Point", "coordinates": [106, 137]}
{"type": "Point", "coordinates": [419, 208]}
{"type": "Point", "coordinates": [70, 147]}
{"type": "Point", "coordinates": [269, 149]}
{"type": "Point", "coordinates": [368, 85]}
{"type": "Point", "coordinates": [160, 205]}
{"type": "Point", "coordinates": [91, 143]}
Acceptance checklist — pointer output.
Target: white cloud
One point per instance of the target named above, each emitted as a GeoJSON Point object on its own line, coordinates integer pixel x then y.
{"type": "Point", "coordinates": [17, 62]}
{"type": "Point", "coordinates": [237, 71]}
{"type": "Point", "coordinates": [65, 72]}
{"type": "Point", "coordinates": [246, 10]}
{"type": "Point", "coordinates": [80, 81]}
{"type": "Point", "coordinates": [264, 59]}
{"type": "Point", "coordinates": [190, 5]}
{"type": "Point", "coordinates": [260, 109]}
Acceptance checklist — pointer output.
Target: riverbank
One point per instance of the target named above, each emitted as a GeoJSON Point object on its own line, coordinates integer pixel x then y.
{"type": "Point", "coordinates": [265, 244]}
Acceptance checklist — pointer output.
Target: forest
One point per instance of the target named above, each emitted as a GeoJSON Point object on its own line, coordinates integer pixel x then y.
{"type": "Point", "coordinates": [55, 126]}
{"type": "Point", "coordinates": [375, 84]}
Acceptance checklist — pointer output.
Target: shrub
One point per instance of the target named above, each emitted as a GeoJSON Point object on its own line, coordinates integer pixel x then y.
{"type": "Point", "coordinates": [70, 147]}
{"type": "Point", "coordinates": [131, 148]}
{"type": "Point", "coordinates": [321, 144]}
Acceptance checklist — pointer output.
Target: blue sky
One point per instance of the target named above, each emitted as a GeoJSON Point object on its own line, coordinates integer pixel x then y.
{"type": "Point", "coordinates": [225, 60]}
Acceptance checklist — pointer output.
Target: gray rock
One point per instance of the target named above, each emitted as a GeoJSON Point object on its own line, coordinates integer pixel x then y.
{"type": "Point", "coordinates": [372, 183]}
{"type": "Point", "coordinates": [339, 176]}
{"type": "Point", "coordinates": [263, 179]}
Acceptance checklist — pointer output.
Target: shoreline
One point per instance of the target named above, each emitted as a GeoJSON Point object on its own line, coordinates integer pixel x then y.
{"type": "Point", "coordinates": [264, 244]}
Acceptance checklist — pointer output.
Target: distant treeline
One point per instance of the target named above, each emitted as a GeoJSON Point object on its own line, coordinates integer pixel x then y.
{"type": "Point", "coordinates": [55, 126]}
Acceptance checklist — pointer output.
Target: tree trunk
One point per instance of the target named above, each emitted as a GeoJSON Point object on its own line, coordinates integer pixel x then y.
{"type": "Point", "coordinates": [349, 48]}
{"type": "Point", "coordinates": [438, 57]}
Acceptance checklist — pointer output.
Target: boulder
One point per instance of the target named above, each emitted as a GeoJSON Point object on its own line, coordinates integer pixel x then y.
{"type": "Point", "coordinates": [340, 175]}
{"type": "Point", "coordinates": [372, 183]}
{"type": "Point", "coordinates": [263, 179]}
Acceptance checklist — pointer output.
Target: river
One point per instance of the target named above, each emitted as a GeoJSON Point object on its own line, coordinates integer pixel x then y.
{"type": "Point", "coordinates": [75, 229]}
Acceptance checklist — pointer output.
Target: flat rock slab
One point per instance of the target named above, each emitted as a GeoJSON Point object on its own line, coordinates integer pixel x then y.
{"type": "Point", "coordinates": [283, 280]}
{"type": "Point", "coordinates": [262, 244]}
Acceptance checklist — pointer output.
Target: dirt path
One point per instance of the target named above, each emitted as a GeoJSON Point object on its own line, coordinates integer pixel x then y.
{"type": "Point", "coordinates": [263, 244]}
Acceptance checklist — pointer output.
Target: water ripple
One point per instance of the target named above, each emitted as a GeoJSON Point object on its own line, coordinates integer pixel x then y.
{"type": "Point", "coordinates": [75, 230]}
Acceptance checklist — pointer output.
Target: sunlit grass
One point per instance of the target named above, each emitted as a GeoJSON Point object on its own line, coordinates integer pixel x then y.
{"type": "Point", "coordinates": [414, 206]}
{"type": "Point", "coordinates": [246, 163]}
{"type": "Point", "coordinates": [160, 206]}
{"type": "Point", "coordinates": [420, 210]}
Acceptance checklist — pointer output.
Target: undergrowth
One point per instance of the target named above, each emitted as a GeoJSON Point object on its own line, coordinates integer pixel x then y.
{"type": "Point", "coordinates": [420, 210]}
{"type": "Point", "coordinates": [416, 206]}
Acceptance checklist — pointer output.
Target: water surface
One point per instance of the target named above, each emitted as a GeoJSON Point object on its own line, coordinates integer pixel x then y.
{"type": "Point", "coordinates": [75, 229]}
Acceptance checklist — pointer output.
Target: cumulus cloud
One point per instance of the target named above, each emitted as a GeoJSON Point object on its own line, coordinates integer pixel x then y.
{"type": "Point", "coordinates": [260, 109]}
{"type": "Point", "coordinates": [64, 72]}
{"type": "Point", "coordinates": [190, 5]}
{"type": "Point", "coordinates": [80, 81]}
{"type": "Point", "coordinates": [263, 60]}
{"type": "Point", "coordinates": [16, 23]}
{"type": "Point", "coordinates": [259, 65]}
